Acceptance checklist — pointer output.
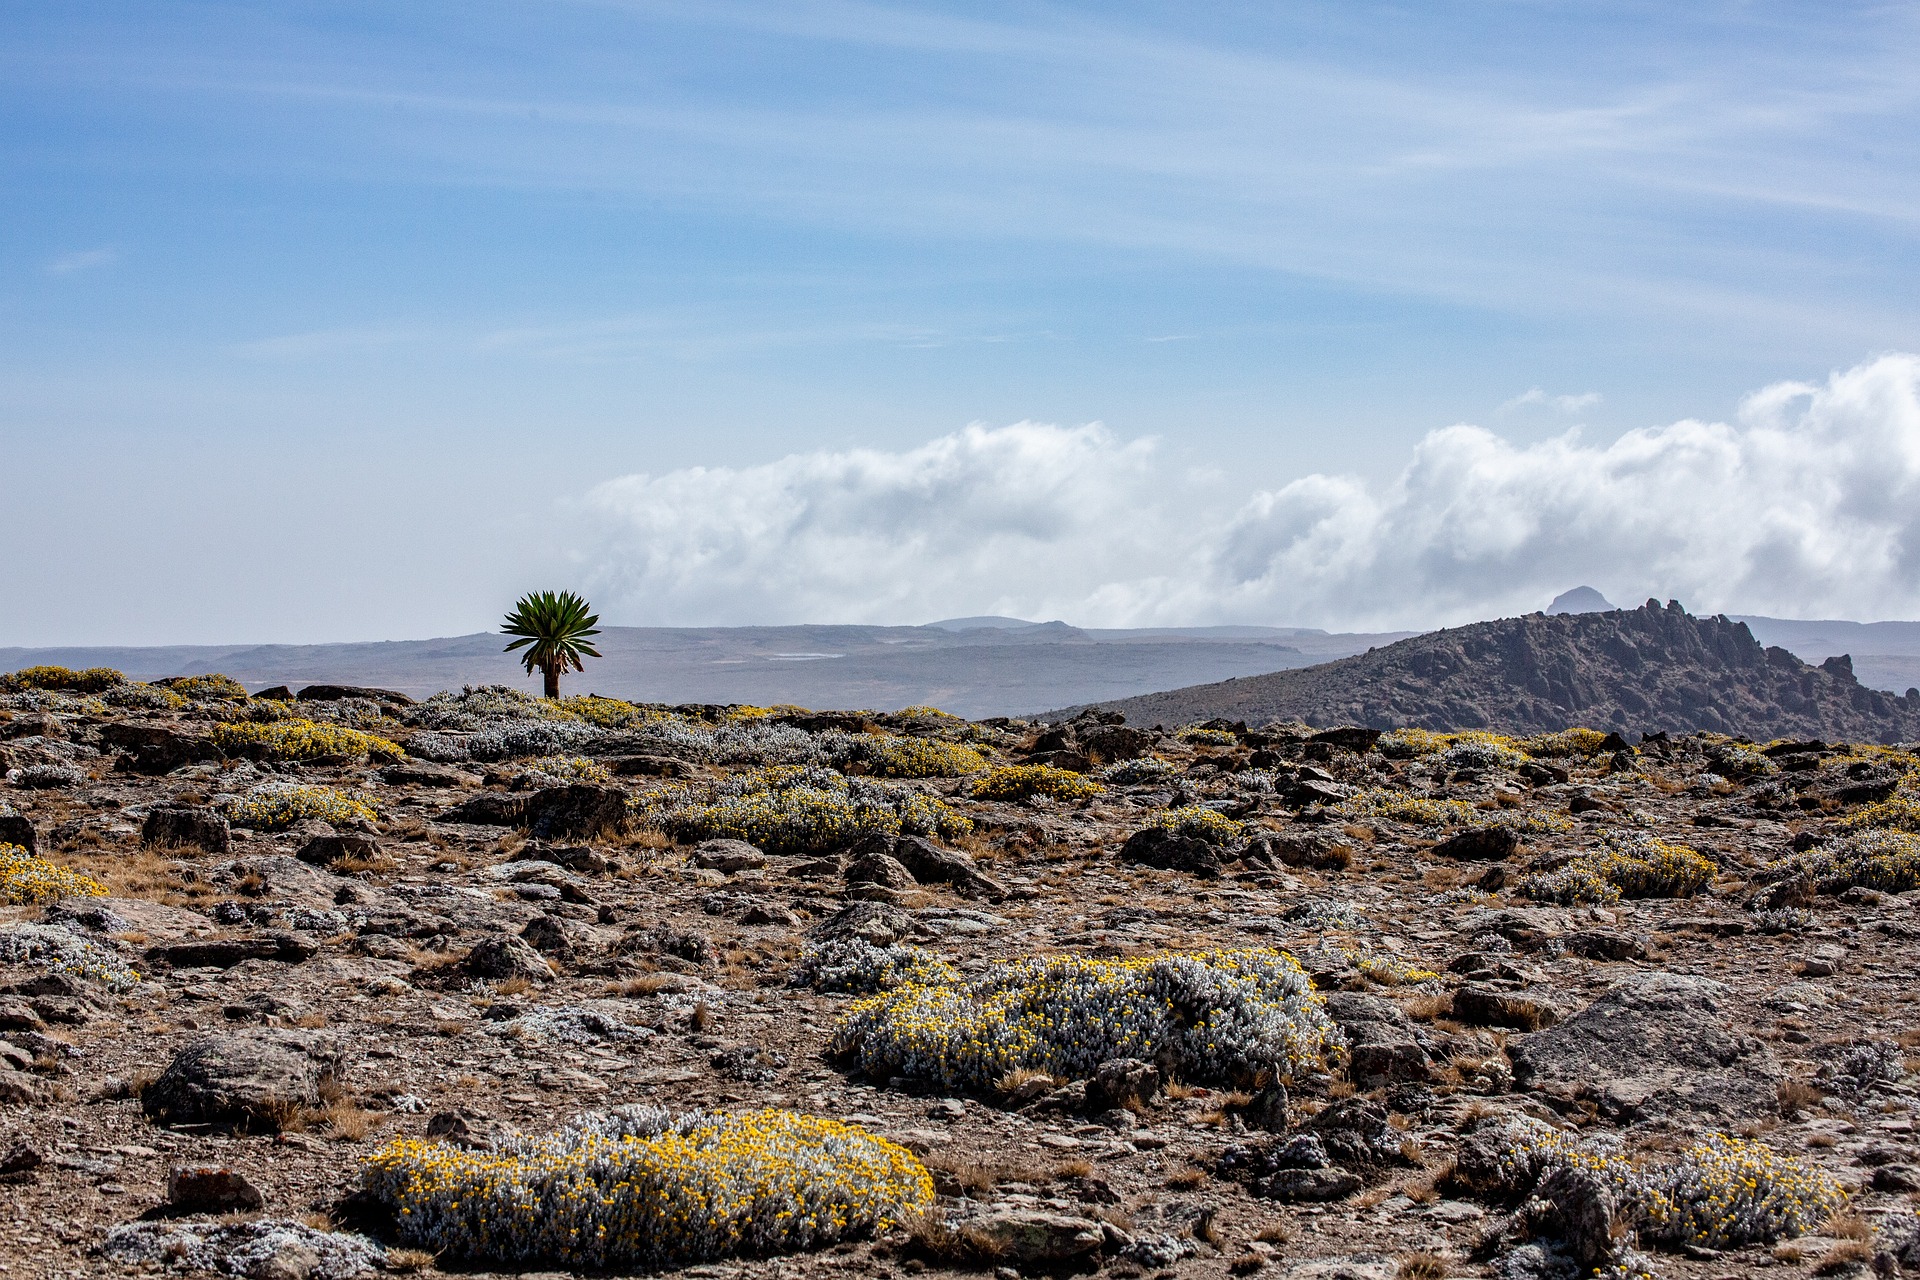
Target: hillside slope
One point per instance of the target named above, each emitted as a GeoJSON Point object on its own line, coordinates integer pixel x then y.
{"type": "Point", "coordinates": [1643, 669]}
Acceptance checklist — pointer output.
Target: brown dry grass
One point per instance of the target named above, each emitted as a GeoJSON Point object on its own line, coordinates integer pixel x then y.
{"type": "Point", "coordinates": [1843, 1257]}
{"type": "Point", "coordinates": [1799, 1095]}
{"type": "Point", "coordinates": [1423, 1265]}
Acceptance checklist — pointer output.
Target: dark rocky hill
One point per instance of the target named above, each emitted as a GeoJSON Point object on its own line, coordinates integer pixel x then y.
{"type": "Point", "coordinates": [1641, 669]}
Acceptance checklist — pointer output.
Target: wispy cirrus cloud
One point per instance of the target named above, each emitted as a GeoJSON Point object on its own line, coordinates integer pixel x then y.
{"type": "Point", "coordinates": [83, 260]}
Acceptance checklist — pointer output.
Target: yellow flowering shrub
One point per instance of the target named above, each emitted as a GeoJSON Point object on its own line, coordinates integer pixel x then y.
{"type": "Point", "coordinates": [62, 679]}
{"type": "Point", "coordinates": [1626, 866]}
{"type": "Point", "coordinates": [1726, 1192]}
{"type": "Point", "coordinates": [1222, 1016]}
{"type": "Point", "coordinates": [1567, 742]}
{"type": "Point", "coordinates": [891, 757]}
{"type": "Point", "coordinates": [567, 769]}
{"type": "Point", "coordinates": [801, 809]}
{"type": "Point", "coordinates": [1402, 806]}
{"type": "Point", "coordinates": [1873, 859]}
{"type": "Point", "coordinates": [209, 688]}
{"type": "Point", "coordinates": [1200, 823]}
{"type": "Point", "coordinates": [642, 1189]}
{"type": "Point", "coordinates": [926, 713]}
{"type": "Point", "coordinates": [25, 879]}
{"type": "Point", "coordinates": [276, 807]}
{"type": "Point", "coordinates": [1018, 781]}
{"type": "Point", "coordinates": [298, 739]}
{"type": "Point", "coordinates": [1203, 737]}
{"type": "Point", "coordinates": [606, 713]}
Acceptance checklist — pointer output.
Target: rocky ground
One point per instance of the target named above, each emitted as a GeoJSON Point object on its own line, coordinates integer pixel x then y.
{"type": "Point", "coordinates": [499, 945]}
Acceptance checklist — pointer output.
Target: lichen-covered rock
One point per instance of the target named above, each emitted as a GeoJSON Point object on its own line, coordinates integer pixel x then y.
{"type": "Point", "coordinates": [1166, 850]}
{"type": "Point", "coordinates": [1383, 1046]}
{"type": "Point", "coordinates": [504, 957]}
{"type": "Point", "coordinates": [1656, 1045]}
{"type": "Point", "coordinates": [187, 827]}
{"type": "Point", "coordinates": [246, 1079]}
{"type": "Point", "coordinates": [265, 1249]}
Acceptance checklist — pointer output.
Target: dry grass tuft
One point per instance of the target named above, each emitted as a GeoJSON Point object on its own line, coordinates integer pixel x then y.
{"type": "Point", "coordinates": [1423, 1266]}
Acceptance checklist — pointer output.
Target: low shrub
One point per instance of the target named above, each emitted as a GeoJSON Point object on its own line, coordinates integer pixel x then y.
{"type": "Point", "coordinates": [516, 738]}
{"type": "Point", "coordinates": [1401, 806]}
{"type": "Point", "coordinates": [1222, 1016]}
{"type": "Point", "coordinates": [58, 949]}
{"type": "Point", "coordinates": [1898, 812]}
{"type": "Point", "coordinates": [25, 879]}
{"type": "Point", "coordinates": [1873, 859]}
{"type": "Point", "coordinates": [62, 679]}
{"type": "Point", "coordinates": [1481, 754]}
{"type": "Point", "coordinates": [1200, 823]}
{"type": "Point", "coordinates": [916, 757]}
{"type": "Point", "coordinates": [856, 965]}
{"type": "Point", "coordinates": [1628, 865]}
{"type": "Point", "coordinates": [641, 1188]}
{"type": "Point", "coordinates": [796, 809]}
{"type": "Point", "coordinates": [562, 770]}
{"type": "Point", "coordinates": [1727, 1192]}
{"type": "Point", "coordinates": [1132, 773]}
{"type": "Point", "coordinates": [1020, 781]}
{"type": "Point", "coordinates": [301, 740]}
{"type": "Point", "coordinates": [607, 713]}
{"type": "Point", "coordinates": [1731, 759]}
{"type": "Point", "coordinates": [1204, 737]}
{"type": "Point", "coordinates": [138, 696]}
{"type": "Point", "coordinates": [207, 688]}
{"type": "Point", "coordinates": [47, 777]}
{"type": "Point", "coordinates": [279, 805]}
{"type": "Point", "coordinates": [1567, 742]}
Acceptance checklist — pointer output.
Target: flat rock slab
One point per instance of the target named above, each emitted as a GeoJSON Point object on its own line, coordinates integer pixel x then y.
{"type": "Point", "coordinates": [1658, 1045]}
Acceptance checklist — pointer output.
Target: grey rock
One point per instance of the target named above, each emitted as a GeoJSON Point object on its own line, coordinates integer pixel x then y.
{"type": "Point", "coordinates": [249, 1079]}
{"type": "Point", "coordinates": [1382, 1044]}
{"type": "Point", "coordinates": [17, 828]}
{"type": "Point", "coordinates": [187, 827]}
{"type": "Point", "coordinates": [1165, 850]}
{"type": "Point", "coordinates": [876, 922]}
{"type": "Point", "coordinates": [503, 957]}
{"type": "Point", "coordinates": [1479, 844]}
{"type": "Point", "coordinates": [580, 811]}
{"type": "Point", "coordinates": [1657, 1045]}
{"type": "Point", "coordinates": [491, 809]}
{"type": "Point", "coordinates": [1577, 1208]}
{"type": "Point", "coordinates": [1298, 1185]}
{"type": "Point", "coordinates": [1122, 1082]}
{"type": "Point", "coordinates": [264, 1249]}
{"type": "Point", "coordinates": [224, 953]}
{"type": "Point", "coordinates": [1033, 1237]}
{"type": "Point", "coordinates": [729, 856]}
{"type": "Point", "coordinates": [879, 869]}
{"type": "Point", "coordinates": [325, 851]}
{"type": "Point", "coordinates": [210, 1188]}
{"type": "Point", "coordinates": [1525, 1010]}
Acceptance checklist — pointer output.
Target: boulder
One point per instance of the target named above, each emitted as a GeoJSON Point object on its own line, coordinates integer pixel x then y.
{"type": "Point", "coordinates": [17, 828]}
{"type": "Point", "coordinates": [1115, 742]}
{"type": "Point", "coordinates": [1525, 1010]}
{"type": "Point", "coordinates": [1479, 844]}
{"type": "Point", "coordinates": [1122, 1082]}
{"type": "Point", "coordinates": [548, 936]}
{"type": "Point", "coordinates": [1382, 1044]}
{"type": "Point", "coordinates": [1034, 1238]}
{"type": "Point", "coordinates": [157, 749]}
{"type": "Point", "coordinates": [337, 692]}
{"type": "Point", "coordinates": [579, 811]}
{"type": "Point", "coordinates": [878, 923]}
{"type": "Point", "coordinates": [1168, 851]}
{"type": "Point", "coordinates": [504, 957]}
{"type": "Point", "coordinates": [881, 869]}
{"type": "Point", "coordinates": [186, 827]}
{"type": "Point", "coordinates": [422, 773]}
{"type": "Point", "coordinates": [491, 809]}
{"type": "Point", "coordinates": [325, 851]}
{"type": "Point", "coordinates": [928, 863]}
{"type": "Point", "coordinates": [1308, 1185]}
{"type": "Point", "coordinates": [1654, 1046]}
{"type": "Point", "coordinates": [729, 856]}
{"type": "Point", "coordinates": [1577, 1208]}
{"type": "Point", "coordinates": [224, 953]}
{"type": "Point", "coordinates": [211, 1188]}
{"type": "Point", "coordinates": [255, 1079]}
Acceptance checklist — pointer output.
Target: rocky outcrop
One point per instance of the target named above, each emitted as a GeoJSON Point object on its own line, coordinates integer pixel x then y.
{"type": "Point", "coordinates": [1652, 668]}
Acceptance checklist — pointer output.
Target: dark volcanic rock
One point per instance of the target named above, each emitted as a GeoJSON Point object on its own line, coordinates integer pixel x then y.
{"type": "Point", "coordinates": [1479, 844]}
{"type": "Point", "coordinates": [17, 828]}
{"type": "Point", "coordinates": [224, 953]}
{"type": "Point", "coordinates": [1651, 668]}
{"type": "Point", "coordinates": [254, 1079]}
{"type": "Point", "coordinates": [1657, 1045]}
{"type": "Point", "coordinates": [1381, 1041]}
{"type": "Point", "coordinates": [928, 863]}
{"type": "Point", "coordinates": [1168, 851]}
{"type": "Point", "coordinates": [579, 811]}
{"type": "Point", "coordinates": [336, 692]}
{"type": "Point", "coordinates": [155, 749]}
{"type": "Point", "coordinates": [176, 827]}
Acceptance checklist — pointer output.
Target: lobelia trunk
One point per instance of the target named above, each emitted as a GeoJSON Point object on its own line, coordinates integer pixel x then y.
{"type": "Point", "coordinates": [552, 673]}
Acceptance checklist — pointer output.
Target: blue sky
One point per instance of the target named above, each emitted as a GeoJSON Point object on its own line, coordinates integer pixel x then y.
{"type": "Point", "coordinates": [331, 321]}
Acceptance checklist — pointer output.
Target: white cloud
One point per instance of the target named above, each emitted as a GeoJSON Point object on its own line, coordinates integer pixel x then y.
{"type": "Point", "coordinates": [1808, 504]}
{"type": "Point", "coordinates": [1561, 404]}
{"type": "Point", "coordinates": [85, 260]}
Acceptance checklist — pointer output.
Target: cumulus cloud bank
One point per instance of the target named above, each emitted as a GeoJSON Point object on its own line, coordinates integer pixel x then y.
{"type": "Point", "coordinates": [1807, 504]}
